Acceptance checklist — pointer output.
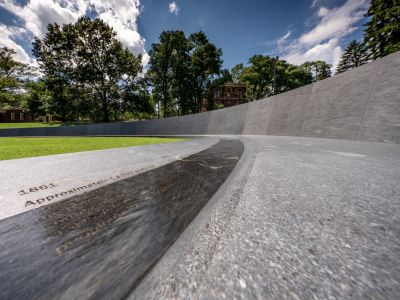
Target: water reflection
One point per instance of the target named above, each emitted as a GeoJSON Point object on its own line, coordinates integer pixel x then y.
{"type": "Point", "coordinates": [100, 244]}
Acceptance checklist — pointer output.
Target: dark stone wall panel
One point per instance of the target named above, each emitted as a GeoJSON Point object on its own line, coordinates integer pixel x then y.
{"type": "Point", "coordinates": [361, 104]}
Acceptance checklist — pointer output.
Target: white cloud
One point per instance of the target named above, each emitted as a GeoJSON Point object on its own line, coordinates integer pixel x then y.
{"type": "Point", "coordinates": [329, 52]}
{"type": "Point", "coordinates": [314, 3]}
{"type": "Point", "coordinates": [37, 14]}
{"type": "Point", "coordinates": [173, 8]}
{"type": "Point", "coordinates": [283, 40]}
{"type": "Point", "coordinates": [145, 59]}
{"type": "Point", "coordinates": [323, 11]}
{"type": "Point", "coordinates": [7, 39]}
{"type": "Point", "coordinates": [121, 15]}
{"type": "Point", "coordinates": [337, 22]}
{"type": "Point", "coordinates": [322, 41]}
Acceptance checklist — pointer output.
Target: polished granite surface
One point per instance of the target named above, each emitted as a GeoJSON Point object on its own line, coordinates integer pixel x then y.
{"type": "Point", "coordinates": [100, 244]}
{"type": "Point", "coordinates": [28, 183]}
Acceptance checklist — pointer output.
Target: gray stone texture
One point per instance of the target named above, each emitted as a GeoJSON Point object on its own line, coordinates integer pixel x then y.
{"type": "Point", "coordinates": [99, 244]}
{"type": "Point", "coordinates": [381, 120]}
{"type": "Point", "coordinates": [70, 170]}
{"type": "Point", "coordinates": [360, 104]}
{"type": "Point", "coordinates": [299, 218]}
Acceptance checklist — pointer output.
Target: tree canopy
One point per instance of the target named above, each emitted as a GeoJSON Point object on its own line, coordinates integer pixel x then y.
{"type": "Point", "coordinates": [266, 76]}
{"type": "Point", "coordinates": [382, 32]}
{"type": "Point", "coordinates": [319, 69]}
{"type": "Point", "coordinates": [13, 74]}
{"type": "Point", "coordinates": [88, 71]}
{"type": "Point", "coordinates": [182, 70]}
{"type": "Point", "coordinates": [353, 56]}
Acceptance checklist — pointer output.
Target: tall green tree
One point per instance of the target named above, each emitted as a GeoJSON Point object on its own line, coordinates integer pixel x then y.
{"type": "Point", "coordinates": [86, 69]}
{"type": "Point", "coordinates": [353, 56]}
{"type": "Point", "coordinates": [56, 55]}
{"type": "Point", "coordinates": [181, 90]}
{"type": "Point", "coordinates": [382, 32]}
{"type": "Point", "coordinates": [182, 70]}
{"type": "Point", "coordinates": [267, 76]}
{"type": "Point", "coordinates": [319, 69]}
{"type": "Point", "coordinates": [137, 102]}
{"type": "Point", "coordinates": [258, 77]}
{"type": "Point", "coordinates": [160, 71]}
{"type": "Point", "coordinates": [13, 75]}
{"type": "Point", "coordinates": [294, 77]}
{"type": "Point", "coordinates": [205, 66]}
{"type": "Point", "coordinates": [237, 71]}
{"type": "Point", "coordinates": [105, 67]}
{"type": "Point", "coordinates": [38, 98]}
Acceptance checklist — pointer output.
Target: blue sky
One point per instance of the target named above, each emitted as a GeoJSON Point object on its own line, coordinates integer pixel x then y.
{"type": "Point", "coordinates": [296, 30]}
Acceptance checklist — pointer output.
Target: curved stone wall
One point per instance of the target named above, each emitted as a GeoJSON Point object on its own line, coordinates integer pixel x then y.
{"type": "Point", "coordinates": [360, 104]}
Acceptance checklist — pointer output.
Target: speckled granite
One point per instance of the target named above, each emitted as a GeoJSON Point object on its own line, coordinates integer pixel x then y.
{"type": "Point", "coordinates": [99, 245]}
{"type": "Point", "coordinates": [57, 177]}
{"type": "Point", "coordinates": [299, 218]}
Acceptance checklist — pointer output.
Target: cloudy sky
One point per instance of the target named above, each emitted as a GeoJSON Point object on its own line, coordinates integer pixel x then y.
{"type": "Point", "coordinates": [296, 30]}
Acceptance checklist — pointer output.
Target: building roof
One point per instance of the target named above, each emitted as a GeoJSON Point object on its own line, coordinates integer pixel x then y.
{"type": "Point", "coordinates": [234, 84]}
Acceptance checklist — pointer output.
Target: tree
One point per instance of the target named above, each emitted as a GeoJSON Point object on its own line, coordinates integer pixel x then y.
{"type": "Point", "coordinates": [105, 67]}
{"type": "Point", "coordinates": [137, 100]}
{"type": "Point", "coordinates": [38, 98]}
{"type": "Point", "coordinates": [319, 69]}
{"type": "Point", "coordinates": [12, 77]}
{"type": "Point", "coordinates": [258, 77]}
{"type": "Point", "coordinates": [205, 65]}
{"type": "Point", "coordinates": [382, 32]}
{"type": "Point", "coordinates": [267, 76]}
{"type": "Point", "coordinates": [56, 55]}
{"type": "Point", "coordinates": [86, 69]}
{"type": "Point", "coordinates": [160, 71]}
{"type": "Point", "coordinates": [294, 77]}
{"type": "Point", "coordinates": [353, 56]}
{"type": "Point", "coordinates": [181, 90]}
{"type": "Point", "coordinates": [237, 71]}
{"type": "Point", "coordinates": [182, 71]}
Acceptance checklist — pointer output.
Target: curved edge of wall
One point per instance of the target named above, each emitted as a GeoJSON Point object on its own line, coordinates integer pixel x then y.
{"type": "Point", "coordinates": [360, 104]}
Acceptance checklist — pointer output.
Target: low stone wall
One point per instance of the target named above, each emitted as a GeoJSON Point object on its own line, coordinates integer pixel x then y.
{"type": "Point", "coordinates": [360, 104]}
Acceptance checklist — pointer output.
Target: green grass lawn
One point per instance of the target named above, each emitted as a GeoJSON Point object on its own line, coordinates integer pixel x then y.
{"type": "Point", "coordinates": [28, 125]}
{"type": "Point", "coordinates": [12, 148]}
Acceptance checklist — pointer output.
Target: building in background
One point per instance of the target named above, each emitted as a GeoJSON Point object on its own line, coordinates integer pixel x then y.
{"type": "Point", "coordinates": [230, 94]}
{"type": "Point", "coordinates": [14, 114]}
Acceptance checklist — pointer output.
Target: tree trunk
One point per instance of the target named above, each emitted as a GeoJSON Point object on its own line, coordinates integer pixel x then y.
{"type": "Point", "coordinates": [106, 117]}
{"type": "Point", "coordinates": [165, 101]}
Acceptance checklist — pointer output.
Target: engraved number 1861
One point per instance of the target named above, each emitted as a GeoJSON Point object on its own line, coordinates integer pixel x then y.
{"type": "Point", "coordinates": [36, 189]}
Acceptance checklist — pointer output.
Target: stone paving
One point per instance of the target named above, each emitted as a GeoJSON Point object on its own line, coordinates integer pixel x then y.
{"type": "Point", "coordinates": [101, 243]}
{"type": "Point", "coordinates": [298, 218]}
{"type": "Point", "coordinates": [29, 183]}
